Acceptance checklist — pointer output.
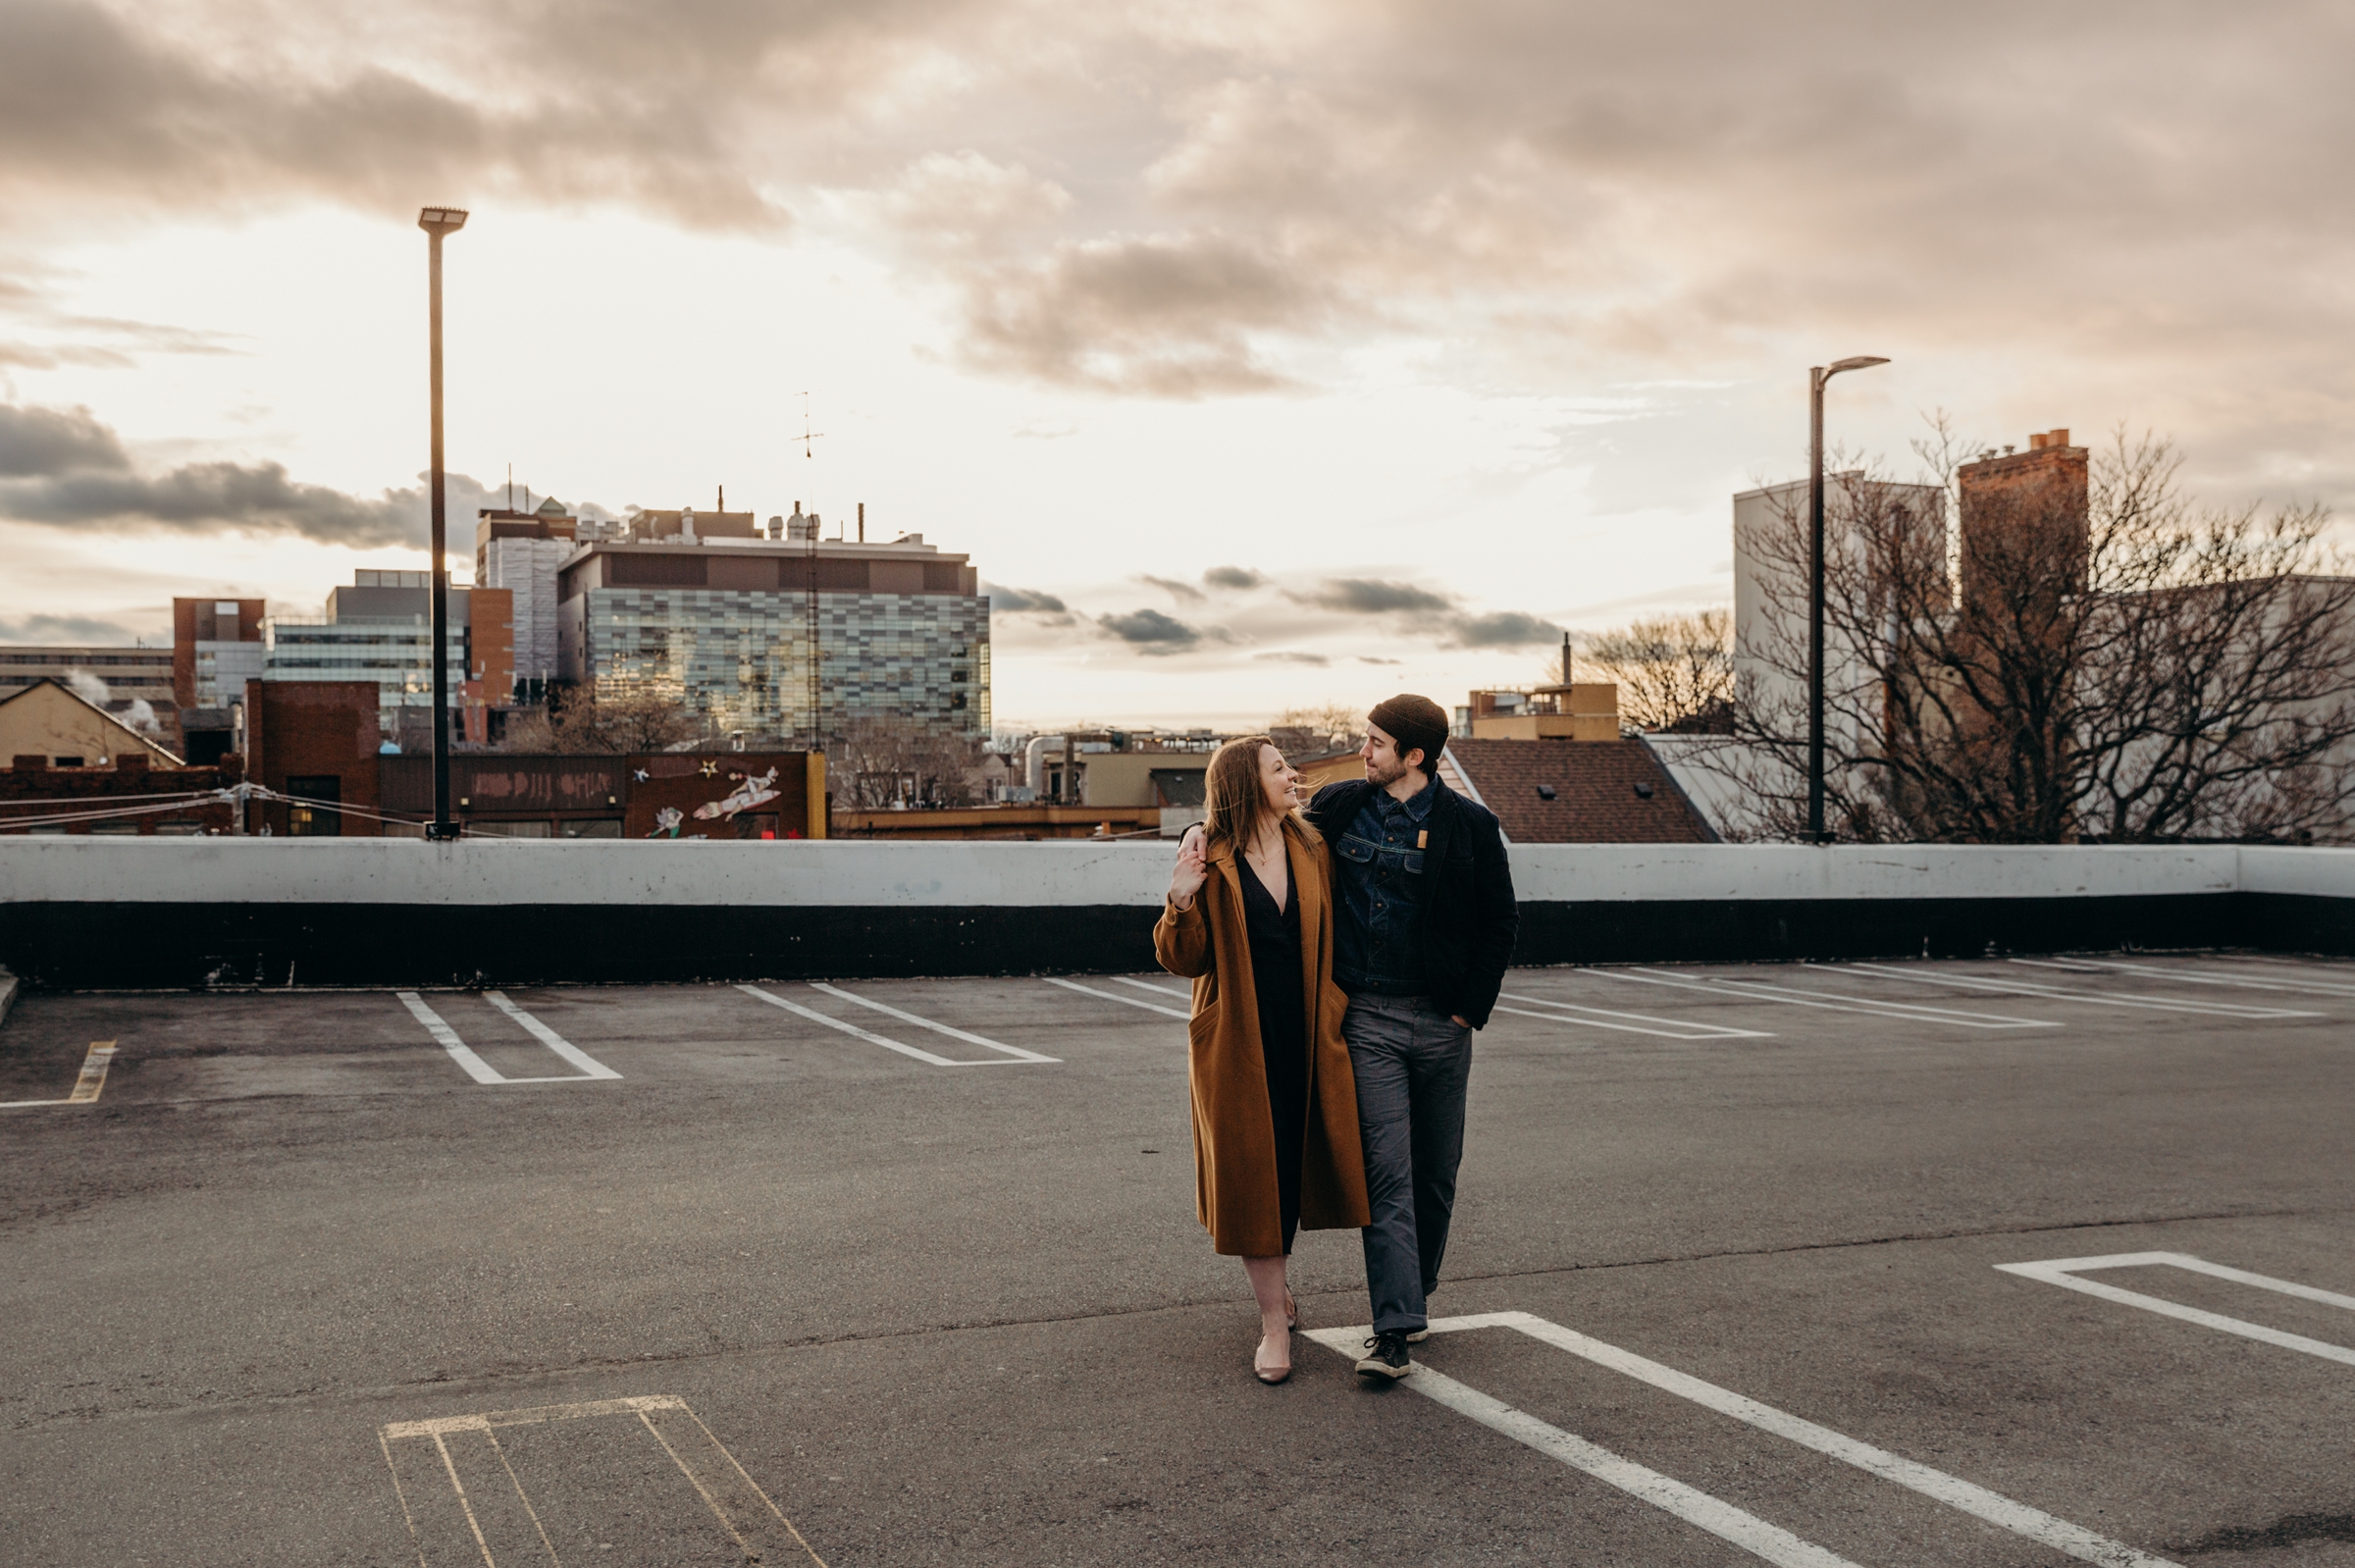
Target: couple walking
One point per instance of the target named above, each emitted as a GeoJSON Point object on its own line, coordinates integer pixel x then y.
{"type": "Point", "coordinates": [1341, 958]}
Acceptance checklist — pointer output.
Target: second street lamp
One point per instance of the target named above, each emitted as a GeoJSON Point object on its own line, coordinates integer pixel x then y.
{"type": "Point", "coordinates": [1816, 377]}
{"type": "Point", "coordinates": [436, 221]}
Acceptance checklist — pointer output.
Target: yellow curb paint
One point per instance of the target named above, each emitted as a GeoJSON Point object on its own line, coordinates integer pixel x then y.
{"type": "Point", "coordinates": [85, 1087]}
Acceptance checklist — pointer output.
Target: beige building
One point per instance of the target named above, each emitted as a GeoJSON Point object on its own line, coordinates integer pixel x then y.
{"type": "Point", "coordinates": [1586, 711]}
{"type": "Point", "coordinates": [49, 721]}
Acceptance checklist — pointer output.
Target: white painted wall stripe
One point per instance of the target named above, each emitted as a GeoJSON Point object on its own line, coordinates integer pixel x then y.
{"type": "Point", "coordinates": [2062, 1272]}
{"type": "Point", "coordinates": [849, 875]}
{"type": "Point", "coordinates": [1967, 1497]}
{"type": "Point", "coordinates": [1124, 1001]}
{"type": "Point", "coordinates": [589, 1065]}
{"type": "Point", "coordinates": [1668, 1029]}
{"type": "Point", "coordinates": [1014, 1051]}
{"type": "Point", "coordinates": [1698, 1508]}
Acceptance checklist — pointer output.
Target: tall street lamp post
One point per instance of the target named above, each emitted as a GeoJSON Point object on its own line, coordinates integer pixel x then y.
{"type": "Point", "coordinates": [436, 221]}
{"type": "Point", "coordinates": [1816, 377]}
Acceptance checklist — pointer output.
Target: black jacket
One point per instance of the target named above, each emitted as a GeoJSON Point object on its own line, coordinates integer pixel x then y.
{"type": "Point", "coordinates": [1469, 917]}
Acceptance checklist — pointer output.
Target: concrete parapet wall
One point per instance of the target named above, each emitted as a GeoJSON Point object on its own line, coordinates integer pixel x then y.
{"type": "Point", "coordinates": [91, 911]}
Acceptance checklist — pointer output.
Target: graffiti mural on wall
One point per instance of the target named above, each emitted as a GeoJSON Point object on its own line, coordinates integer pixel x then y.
{"type": "Point", "coordinates": [731, 795]}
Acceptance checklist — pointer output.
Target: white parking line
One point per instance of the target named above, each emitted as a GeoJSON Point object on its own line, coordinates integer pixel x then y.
{"type": "Point", "coordinates": [2063, 1271]}
{"type": "Point", "coordinates": [1952, 1490]}
{"type": "Point", "coordinates": [440, 1511]}
{"type": "Point", "coordinates": [2055, 993]}
{"type": "Point", "coordinates": [2199, 976]}
{"type": "Point", "coordinates": [884, 1040]}
{"type": "Point", "coordinates": [1631, 1022]}
{"type": "Point", "coordinates": [1124, 1001]}
{"type": "Point", "coordinates": [1014, 1051]}
{"type": "Point", "coordinates": [589, 1065]}
{"type": "Point", "coordinates": [1147, 985]}
{"type": "Point", "coordinates": [86, 1084]}
{"type": "Point", "coordinates": [1835, 1002]}
{"type": "Point", "coordinates": [483, 1072]}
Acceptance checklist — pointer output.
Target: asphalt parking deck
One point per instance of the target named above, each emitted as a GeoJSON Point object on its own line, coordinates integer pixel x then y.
{"type": "Point", "coordinates": [907, 1272]}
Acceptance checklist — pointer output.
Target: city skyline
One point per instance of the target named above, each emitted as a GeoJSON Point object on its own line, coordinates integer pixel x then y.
{"type": "Point", "coordinates": [1242, 351]}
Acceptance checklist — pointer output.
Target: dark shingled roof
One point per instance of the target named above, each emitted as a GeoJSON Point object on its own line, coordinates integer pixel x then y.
{"type": "Point", "coordinates": [1605, 792]}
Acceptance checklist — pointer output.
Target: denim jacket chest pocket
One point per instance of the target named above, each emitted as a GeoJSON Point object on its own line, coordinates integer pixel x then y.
{"type": "Point", "coordinates": [1379, 857]}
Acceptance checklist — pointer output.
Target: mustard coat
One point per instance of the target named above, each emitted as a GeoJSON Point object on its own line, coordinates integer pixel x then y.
{"type": "Point", "coordinates": [1235, 1140]}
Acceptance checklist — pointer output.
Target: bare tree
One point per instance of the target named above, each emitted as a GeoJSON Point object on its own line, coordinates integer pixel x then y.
{"type": "Point", "coordinates": [1674, 672]}
{"type": "Point", "coordinates": [877, 761]}
{"type": "Point", "coordinates": [1321, 723]}
{"type": "Point", "coordinates": [581, 721]}
{"type": "Point", "coordinates": [2109, 663]}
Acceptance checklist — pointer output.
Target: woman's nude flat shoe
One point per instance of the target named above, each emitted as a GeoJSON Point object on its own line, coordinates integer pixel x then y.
{"type": "Point", "coordinates": [1269, 1375]}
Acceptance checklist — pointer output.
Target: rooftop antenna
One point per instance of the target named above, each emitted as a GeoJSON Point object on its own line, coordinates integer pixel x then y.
{"type": "Point", "coordinates": [807, 435]}
{"type": "Point", "coordinates": [510, 487]}
{"type": "Point", "coordinates": [863, 522]}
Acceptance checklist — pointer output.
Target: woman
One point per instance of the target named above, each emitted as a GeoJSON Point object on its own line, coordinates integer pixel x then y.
{"type": "Point", "coordinates": [1249, 922]}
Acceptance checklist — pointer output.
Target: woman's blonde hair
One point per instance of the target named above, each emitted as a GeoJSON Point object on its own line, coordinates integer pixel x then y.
{"type": "Point", "coordinates": [1232, 796]}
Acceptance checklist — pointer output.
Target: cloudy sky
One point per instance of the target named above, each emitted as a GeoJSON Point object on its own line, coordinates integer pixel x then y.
{"type": "Point", "coordinates": [1260, 354]}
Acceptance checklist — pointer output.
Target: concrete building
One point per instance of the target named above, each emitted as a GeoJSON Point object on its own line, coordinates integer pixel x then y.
{"type": "Point", "coordinates": [1587, 710]}
{"type": "Point", "coordinates": [724, 623]}
{"type": "Point", "coordinates": [134, 684]}
{"type": "Point", "coordinates": [51, 722]}
{"type": "Point", "coordinates": [1770, 593]}
{"type": "Point", "coordinates": [380, 630]}
{"type": "Point", "coordinates": [216, 646]}
{"type": "Point", "coordinates": [520, 553]}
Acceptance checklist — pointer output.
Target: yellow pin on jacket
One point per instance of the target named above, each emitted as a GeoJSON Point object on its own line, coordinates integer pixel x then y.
{"type": "Point", "coordinates": [1234, 1136]}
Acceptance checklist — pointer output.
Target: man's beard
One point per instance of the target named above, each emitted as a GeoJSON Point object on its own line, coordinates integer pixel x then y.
{"type": "Point", "coordinates": [1376, 776]}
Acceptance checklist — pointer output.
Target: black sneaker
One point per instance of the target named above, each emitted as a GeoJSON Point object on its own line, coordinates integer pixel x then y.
{"type": "Point", "coordinates": [1415, 1336]}
{"type": "Point", "coordinates": [1385, 1357]}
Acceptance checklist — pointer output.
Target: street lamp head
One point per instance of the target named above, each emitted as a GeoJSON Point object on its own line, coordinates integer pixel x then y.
{"type": "Point", "coordinates": [442, 219]}
{"type": "Point", "coordinates": [1854, 362]}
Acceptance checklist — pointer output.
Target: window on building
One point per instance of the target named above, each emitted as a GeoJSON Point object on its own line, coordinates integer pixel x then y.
{"type": "Point", "coordinates": [315, 820]}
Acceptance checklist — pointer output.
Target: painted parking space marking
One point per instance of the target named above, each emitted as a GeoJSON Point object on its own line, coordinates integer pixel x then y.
{"type": "Point", "coordinates": [1629, 1023]}
{"type": "Point", "coordinates": [1954, 1493]}
{"type": "Point", "coordinates": [483, 1072]}
{"type": "Point", "coordinates": [86, 1084]}
{"type": "Point", "coordinates": [1148, 985]}
{"type": "Point", "coordinates": [2064, 1272]}
{"type": "Point", "coordinates": [1834, 1002]}
{"type": "Point", "coordinates": [1014, 1051]}
{"type": "Point", "coordinates": [2055, 993]}
{"type": "Point", "coordinates": [2266, 982]}
{"type": "Point", "coordinates": [1110, 996]}
{"type": "Point", "coordinates": [495, 1522]}
{"type": "Point", "coordinates": [929, 1058]}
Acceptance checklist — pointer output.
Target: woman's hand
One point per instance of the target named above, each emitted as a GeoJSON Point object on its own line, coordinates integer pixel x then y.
{"type": "Point", "coordinates": [1191, 870]}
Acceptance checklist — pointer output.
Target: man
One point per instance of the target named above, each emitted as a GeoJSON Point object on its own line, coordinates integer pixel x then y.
{"type": "Point", "coordinates": [1423, 929]}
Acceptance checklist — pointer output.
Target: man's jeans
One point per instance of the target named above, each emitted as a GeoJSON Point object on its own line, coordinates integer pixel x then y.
{"type": "Point", "coordinates": [1412, 1064]}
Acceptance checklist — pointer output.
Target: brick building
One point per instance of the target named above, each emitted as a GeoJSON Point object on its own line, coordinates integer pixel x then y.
{"type": "Point", "coordinates": [317, 739]}
{"type": "Point", "coordinates": [130, 798]}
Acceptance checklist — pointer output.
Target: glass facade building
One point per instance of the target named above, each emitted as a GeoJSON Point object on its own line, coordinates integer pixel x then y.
{"type": "Point", "coordinates": [897, 632]}
{"type": "Point", "coordinates": [394, 651]}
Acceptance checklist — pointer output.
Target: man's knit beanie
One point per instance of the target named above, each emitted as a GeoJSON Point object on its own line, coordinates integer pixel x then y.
{"type": "Point", "coordinates": [1413, 722]}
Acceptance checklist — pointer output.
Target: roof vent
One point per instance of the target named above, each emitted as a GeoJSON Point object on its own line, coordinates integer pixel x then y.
{"type": "Point", "coordinates": [1643, 792]}
{"type": "Point", "coordinates": [1544, 792]}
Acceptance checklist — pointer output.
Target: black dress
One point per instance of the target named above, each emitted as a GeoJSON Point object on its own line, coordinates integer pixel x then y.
{"type": "Point", "coordinates": [1275, 936]}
